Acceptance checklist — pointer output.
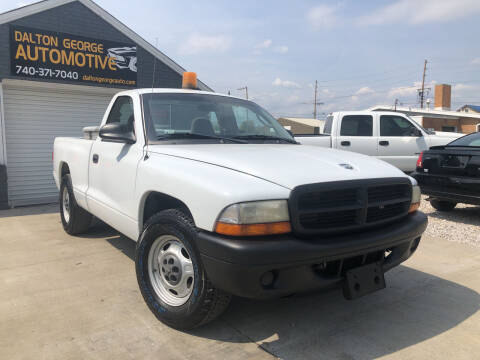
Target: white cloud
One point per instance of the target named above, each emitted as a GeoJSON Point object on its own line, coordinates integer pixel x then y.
{"type": "Point", "coordinates": [462, 87]}
{"type": "Point", "coordinates": [475, 61]}
{"type": "Point", "coordinates": [282, 49]}
{"type": "Point", "coordinates": [197, 43]}
{"type": "Point", "coordinates": [322, 16]}
{"type": "Point", "coordinates": [293, 99]}
{"type": "Point", "coordinates": [364, 90]}
{"type": "Point", "coordinates": [285, 83]}
{"type": "Point", "coordinates": [420, 12]}
{"type": "Point", "coordinates": [264, 44]}
{"type": "Point", "coordinates": [327, 92]}
{"type": "Point", "coordinates": [404, 90]}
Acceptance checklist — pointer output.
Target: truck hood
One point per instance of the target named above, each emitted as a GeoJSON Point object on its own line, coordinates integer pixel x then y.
{"type": "Point", "coordinates": [444, 134]}
{"type": "Point", "coordinates": [282, 164]}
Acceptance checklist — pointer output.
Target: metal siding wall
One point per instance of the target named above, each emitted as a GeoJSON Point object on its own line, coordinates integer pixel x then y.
{"type": "Point", "coordinates": [75, 18]}
{"type": "Point", "coordinates": [34, 117]}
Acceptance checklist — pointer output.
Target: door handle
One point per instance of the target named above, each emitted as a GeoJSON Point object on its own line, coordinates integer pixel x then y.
{"type": "Point", "coordinates": [345, 143]}
{"type": "Point", "coordinates": [384, 143]}
{"type": "Point", "coordinates": [95, 158]}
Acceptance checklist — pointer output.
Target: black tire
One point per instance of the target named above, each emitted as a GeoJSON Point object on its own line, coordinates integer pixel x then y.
{"type": "Point", "coordinates": [443, 205]}
{"type": "Point", "coordinates": [79, 219]}
{"type": "Point", "coordinates": [205, 302]}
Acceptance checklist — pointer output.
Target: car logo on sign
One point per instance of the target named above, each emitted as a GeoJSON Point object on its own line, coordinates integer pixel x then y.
{"type": "Point", "coordinates": [346, 166]}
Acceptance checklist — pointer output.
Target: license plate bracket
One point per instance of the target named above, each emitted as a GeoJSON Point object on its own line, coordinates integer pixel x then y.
{"type": "Point", "coordinates": [363, 280]}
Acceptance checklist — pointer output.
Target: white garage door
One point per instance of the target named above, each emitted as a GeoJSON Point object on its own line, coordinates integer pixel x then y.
{"type": "Point", "coordinates": [34, 116]}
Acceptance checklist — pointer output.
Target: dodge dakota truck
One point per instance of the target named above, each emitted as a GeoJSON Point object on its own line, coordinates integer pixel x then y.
{"type": "Point", "coordinates": [390, 136]}
{"type": "Point", "coordinates": [222, 201]}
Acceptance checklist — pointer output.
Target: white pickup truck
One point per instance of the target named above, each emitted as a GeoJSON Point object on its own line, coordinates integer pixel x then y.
{"type": "Point", "coordinates": [222, 201]}
{"type": "Point", "coordinates": [389, 136]}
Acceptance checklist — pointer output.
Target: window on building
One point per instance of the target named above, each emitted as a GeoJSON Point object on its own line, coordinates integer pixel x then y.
{"type": "Point", "coordinates": [357, 125]}
{"type": "Point", "coordinates": [449, 128]}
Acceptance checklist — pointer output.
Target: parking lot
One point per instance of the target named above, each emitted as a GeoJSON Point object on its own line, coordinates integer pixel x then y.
{"type": "Point", "coordinates": [69, 297]}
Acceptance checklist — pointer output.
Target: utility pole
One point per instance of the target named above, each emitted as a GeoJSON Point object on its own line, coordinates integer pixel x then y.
{"type": "Point", "coordinates": [315, 102]}
{"type": "Point", "coordinates": [396, 102]}
{"type": "Point", "coordinates": [246, 91]}
{"type": "Point", "coordinates": [422, 92]}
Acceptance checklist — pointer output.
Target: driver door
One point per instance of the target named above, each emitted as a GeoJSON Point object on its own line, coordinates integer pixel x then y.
{"type": "Point", "coordinates": [400, 142]}
{"type": "Point", "coordinates": [113, 169]}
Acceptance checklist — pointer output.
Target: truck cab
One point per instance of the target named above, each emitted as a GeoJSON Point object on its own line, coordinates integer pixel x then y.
{"type": "Point", "coordinates": [390, 136]}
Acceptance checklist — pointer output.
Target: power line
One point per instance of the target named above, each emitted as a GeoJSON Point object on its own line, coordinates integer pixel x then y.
{"type": "Point", "coordinates": [393, 70]}
{"type": "Point", "coordinates": [372, 92]}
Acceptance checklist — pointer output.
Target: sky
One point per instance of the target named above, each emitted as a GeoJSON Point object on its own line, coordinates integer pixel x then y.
{"type": "Point", "coordinates": [362, 53]}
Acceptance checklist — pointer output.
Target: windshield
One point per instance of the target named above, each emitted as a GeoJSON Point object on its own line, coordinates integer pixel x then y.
{"type": "Point", "coordinates": [208, 117]}
{"type": "Point", "coordinates": [468, 140]}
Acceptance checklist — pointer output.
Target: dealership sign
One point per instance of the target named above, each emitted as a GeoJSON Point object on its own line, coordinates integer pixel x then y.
{"type": "Point", "coordinates": [51, 55]}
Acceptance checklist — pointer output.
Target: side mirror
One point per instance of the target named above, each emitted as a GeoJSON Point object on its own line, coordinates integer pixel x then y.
{"type": "Point", "coordinates": [117, 132]}
{"type": "Point", "coordinates": [290, 132]}
{"type": "Point", "coordinates": [417, 133]}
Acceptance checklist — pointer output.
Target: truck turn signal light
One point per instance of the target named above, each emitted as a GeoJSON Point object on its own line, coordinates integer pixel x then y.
{"type": "Point", "coordinates": [253, 229]}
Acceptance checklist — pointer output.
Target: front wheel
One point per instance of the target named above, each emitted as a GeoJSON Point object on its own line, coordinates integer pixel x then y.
{"type": "Point", "coordinates": [171, 276]}
{"type": "Point", "coordinates": [443, 205]}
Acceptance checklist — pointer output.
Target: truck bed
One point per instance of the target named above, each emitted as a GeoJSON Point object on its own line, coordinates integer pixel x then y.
{"type": "Point", "coordinates": [323, 140]}
{"type": "Point", "coordinates": [76, 153]}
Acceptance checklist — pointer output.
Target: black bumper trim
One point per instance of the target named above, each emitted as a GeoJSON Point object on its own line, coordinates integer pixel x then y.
{"type": "Point", "coordinates": [452, 188]}
{"type": "Point", "coordinates": [237, 265]}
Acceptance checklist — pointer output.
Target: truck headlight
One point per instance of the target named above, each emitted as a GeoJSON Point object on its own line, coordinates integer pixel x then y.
{"type": "Point", "coordinates": [254, 218]}
{"type": "Point", "coordinates": [416, 198]}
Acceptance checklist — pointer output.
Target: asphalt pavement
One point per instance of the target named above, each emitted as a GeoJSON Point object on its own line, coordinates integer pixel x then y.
{"type": "Point", "coordinates": [64, 297]}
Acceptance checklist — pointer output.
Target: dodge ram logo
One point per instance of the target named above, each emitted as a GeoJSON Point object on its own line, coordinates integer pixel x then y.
{"type": "Point", "coordinates": [346, 166]}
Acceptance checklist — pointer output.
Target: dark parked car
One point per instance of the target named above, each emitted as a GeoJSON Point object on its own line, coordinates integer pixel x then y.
{"type": "Point", "coordinates": [450, 174]}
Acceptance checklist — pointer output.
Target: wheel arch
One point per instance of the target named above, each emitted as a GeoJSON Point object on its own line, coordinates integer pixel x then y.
{"type": "Point", "coordinates": [64, 169]}
{"type": "Point", "coordinates": [153, 202]}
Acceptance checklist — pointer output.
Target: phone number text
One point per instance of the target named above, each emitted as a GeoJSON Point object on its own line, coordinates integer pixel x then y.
{"type": "Point", "coordinates": [46, 72]}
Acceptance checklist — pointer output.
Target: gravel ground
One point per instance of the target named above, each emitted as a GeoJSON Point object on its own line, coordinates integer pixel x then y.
{"type": "Point", "coordinates": [460, 225]}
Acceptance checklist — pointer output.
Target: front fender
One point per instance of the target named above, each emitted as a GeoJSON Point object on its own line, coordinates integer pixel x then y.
{"type": "Point", "coordinates": [206, 189]}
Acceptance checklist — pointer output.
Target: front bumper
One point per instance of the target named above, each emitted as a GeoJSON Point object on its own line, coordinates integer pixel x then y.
{"type": "Point", "coordinates": [453, 188]}
{"type": "Point", "coordinates": [275, 266]}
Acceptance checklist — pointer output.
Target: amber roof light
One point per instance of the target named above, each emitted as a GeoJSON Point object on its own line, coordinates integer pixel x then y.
{"type": "Point", "coordinates": [189, 80]}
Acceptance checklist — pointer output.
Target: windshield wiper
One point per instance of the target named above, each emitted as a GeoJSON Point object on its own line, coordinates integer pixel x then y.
{"type": "Point", "coordinates": [266, 137]}
{"type": "Point", "coordinates": [199, 136]}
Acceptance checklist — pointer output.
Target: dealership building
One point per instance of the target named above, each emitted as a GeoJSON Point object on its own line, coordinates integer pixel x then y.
{"type": "Point", "coordinates": [60, 63]}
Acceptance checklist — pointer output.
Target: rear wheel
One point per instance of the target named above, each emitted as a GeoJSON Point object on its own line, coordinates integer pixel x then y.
{"type": "Point", "coordinates": [443, 205]}
{"type": "Point", "coordinates": [171, 276]}
{"type": "Point", "coordinates": [75, 220]}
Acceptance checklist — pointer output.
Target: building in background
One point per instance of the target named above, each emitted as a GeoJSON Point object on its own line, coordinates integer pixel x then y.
{"type": "Point", "coordinates": [441, 117]}
{"type": "Point", "coordinates": [60, 63]}
{"type": "Point", "coordinates": [470, 109]}
{"type": "Point", "coordinates": [302, 126]}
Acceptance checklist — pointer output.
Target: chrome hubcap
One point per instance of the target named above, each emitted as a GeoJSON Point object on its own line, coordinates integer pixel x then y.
{"type": "Point", "coordinates": [170, 270]}
{"type": "Point", "coordinates": [66, 204]}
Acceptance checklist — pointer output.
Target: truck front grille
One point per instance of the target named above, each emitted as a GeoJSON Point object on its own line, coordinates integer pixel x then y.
{"type": "Point", "coordinates": [343, 206]}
